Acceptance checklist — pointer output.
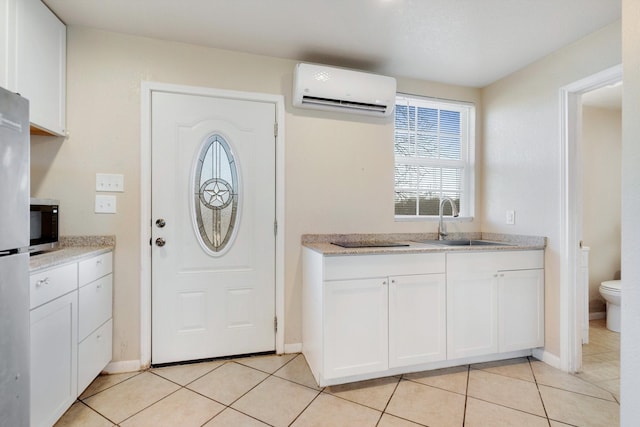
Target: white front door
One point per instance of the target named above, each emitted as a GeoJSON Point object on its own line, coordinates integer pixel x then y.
{"type": "Point", "coordinates": [213, 213]}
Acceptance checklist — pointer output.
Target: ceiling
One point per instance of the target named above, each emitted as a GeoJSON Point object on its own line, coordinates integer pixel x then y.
{"type": "Point", "coordinates": [462, 42]}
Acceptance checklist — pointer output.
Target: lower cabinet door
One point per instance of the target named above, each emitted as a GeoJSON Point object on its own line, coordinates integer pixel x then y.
{"type": "Point", "coordinates": [355, 327]}
{"type": "Point", "coordinates": [472, 312]}
{"type": "Point", "coordinates": [417, 319]}
{"type": "Point", "coordinates": [94, 353]}
{"type": "Point", "coordinates": [54, 341]}
{"type": "Point", "coordinates": [521, 313]}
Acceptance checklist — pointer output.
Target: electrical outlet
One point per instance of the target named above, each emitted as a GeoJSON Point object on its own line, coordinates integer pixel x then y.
{"type": "Point", "coordinates": [109, 182]}
{"type": "Point", "coordinates": [511, 217]}
{"type": "Point", "coordinates": [105, 204]}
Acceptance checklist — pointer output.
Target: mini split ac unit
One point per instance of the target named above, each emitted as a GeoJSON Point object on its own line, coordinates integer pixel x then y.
{"type": "Point", "coordinates": [338, 89]}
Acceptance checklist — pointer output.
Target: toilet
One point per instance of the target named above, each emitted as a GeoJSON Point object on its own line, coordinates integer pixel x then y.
{"type": "Point", "coordinates": [610, 291]}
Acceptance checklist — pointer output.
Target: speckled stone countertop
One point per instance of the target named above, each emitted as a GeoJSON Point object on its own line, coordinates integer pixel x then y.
{"type": "Point", "coordinates": [322, 243]}
{"type": "Point", "coordinates": [72, 249]}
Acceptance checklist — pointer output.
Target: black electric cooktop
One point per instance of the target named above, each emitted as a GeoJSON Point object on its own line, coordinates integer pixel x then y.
{"type": "Point", "coordinates": [369, 244]}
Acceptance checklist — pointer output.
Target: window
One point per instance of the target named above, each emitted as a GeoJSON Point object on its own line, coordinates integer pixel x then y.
{"type": "Point", "coordinates": [434, 146]}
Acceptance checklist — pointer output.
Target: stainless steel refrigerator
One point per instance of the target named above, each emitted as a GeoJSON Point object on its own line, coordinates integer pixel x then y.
{"type": "Point", "coordinates": [14, 260]}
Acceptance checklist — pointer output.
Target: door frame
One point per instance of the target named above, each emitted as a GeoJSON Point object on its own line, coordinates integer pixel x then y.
{"type": "Point", "coordinates": [571, 310]}
{"type": "Point", "coordinates": [146, 90]}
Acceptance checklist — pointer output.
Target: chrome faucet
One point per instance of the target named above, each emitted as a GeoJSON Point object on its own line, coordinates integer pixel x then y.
{"type": "Point", "coordinates": [442, 229]}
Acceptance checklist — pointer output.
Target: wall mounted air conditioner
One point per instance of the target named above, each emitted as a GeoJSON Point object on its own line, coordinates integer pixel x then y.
{"type": "Point", "coordinates": [338, 89]}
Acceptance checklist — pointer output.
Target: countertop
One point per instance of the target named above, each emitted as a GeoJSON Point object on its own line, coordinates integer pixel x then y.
{"type": "Point", "coordinates": [322, 243]}
{"type": "Point", "coordinates": [72, 249]}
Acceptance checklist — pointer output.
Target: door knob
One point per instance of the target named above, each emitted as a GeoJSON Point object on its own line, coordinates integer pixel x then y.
{"type": "Point", "coordinates": [160, 242]}
{"type": "Point", "coordinates": [160, 222]}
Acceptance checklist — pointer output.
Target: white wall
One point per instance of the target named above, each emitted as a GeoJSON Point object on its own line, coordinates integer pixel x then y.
{"type": "Point", "coordinates": [522, 151]}
{"type": "Point", "coordinates": [630, 339]}
{"type": "Point", "coordinates": [601, 196]}
{"type": "Point", "coordinates": [339, 168]}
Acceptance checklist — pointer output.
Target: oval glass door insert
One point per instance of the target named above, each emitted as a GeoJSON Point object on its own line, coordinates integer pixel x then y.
{"type": "Point", "coordinates": [216, 202]}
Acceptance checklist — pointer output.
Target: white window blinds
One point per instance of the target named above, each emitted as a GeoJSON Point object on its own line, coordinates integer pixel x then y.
{"type": "Point", "coordinates": [433, 140]}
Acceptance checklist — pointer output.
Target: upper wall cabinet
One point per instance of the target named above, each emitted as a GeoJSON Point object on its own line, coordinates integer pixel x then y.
{"type": "Point", "coordinates": [33, 48]}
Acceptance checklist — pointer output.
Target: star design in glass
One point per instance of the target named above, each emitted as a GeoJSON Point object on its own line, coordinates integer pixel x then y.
{"type": "Point", "coordinates": [216, 195]}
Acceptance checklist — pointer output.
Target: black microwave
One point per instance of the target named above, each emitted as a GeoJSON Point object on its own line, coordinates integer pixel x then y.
{"type": "Point", "coordinates": [43, 223]}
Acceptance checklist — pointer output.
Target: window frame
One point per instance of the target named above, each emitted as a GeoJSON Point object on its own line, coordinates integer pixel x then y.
{"type": "Point", "coordinates": [467, 154]}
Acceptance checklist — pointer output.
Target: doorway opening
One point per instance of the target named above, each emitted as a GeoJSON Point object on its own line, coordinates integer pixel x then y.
{"type": "Point", "coordinates": [574, 309]}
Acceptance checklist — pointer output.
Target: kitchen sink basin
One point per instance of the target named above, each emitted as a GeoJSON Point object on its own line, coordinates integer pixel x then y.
{"type": "Point", "coordinates": [463, 242]}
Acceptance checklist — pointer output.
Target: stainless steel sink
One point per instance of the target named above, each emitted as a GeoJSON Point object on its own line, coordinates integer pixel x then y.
{"type": "Point", "coordinates": [463, 242]}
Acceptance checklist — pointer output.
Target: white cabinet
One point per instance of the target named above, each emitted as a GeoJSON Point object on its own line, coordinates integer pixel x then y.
{"type": "Point", "coordinates": [376, 315]}
{"type": "Point", "coordinates": [71, 333]}
{"type": "Point", "coordinates": [54, 341]}
{"type": "Point", "coordinates": [417, 319]}
{"type": "Point", "coordinates": [33, 53]}
{"type": "Point", "coordinates": [495, 302]}
{"type": "Point", "coordinates": [94, 353]}
{"type": "Point", "coordinates": [95, 300]}
{"type": "Point", "coordinates": [472, 315]}
{"type": "Point", "coordinates": [520, 309]}
{"type": "Point", "coordinates": [366, 314]}
{"type": "Point", "coordinates": [383, 322]}
{"type": "Point", "coordinates": [355, 313]}
{"type": "Point", "coordinates": [7, 43]}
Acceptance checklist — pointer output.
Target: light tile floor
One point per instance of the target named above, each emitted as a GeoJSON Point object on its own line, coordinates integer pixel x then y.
{"type": "Point", "coordinates": [280, 391]}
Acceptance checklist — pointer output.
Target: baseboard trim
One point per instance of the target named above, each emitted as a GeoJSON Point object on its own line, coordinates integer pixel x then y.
{"type": "Point", "coordinates": [293, 348]}
{"type": "Point", "coordinates": [122, 367]}
{"type": "Point", "coordinates": [598, 315]}
{"type": "Point", "coordinates": [546, 357]}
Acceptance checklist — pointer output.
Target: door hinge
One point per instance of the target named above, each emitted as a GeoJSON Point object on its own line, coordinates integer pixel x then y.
{"type": "Point", "coordinates": [275, 323]}
{"type": "Point", "coordinates": [275, 228]}
{"type": "Point", "coordinates": [275, 129]}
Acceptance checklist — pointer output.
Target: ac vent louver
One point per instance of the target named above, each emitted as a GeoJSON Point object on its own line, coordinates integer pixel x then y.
{"type": "Point", "coordinates": [350, 105]}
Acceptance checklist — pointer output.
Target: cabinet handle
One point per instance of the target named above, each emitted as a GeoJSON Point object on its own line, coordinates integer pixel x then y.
{"type": "Point", "coordinates": [393, 281]}
{"type": "Point", "coordinates": [98, 261]}
{"type": "Point", "coordinates": [384, 282]}
{"type": "Point", "coordinates": [42, 282]}
{"type": "Point", "coordinates": [99, 286]}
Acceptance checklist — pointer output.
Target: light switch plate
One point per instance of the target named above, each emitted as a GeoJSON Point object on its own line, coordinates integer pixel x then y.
{"type": "Point", "coordinates": [105, 204]}
{"type": "Point", "coordinates": [511, 217]}
{"type": "Point", "coordinates": [111, 182]}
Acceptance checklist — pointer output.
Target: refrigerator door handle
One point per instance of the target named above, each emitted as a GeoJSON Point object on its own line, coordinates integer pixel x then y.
{"type": "Point", "coordinates": [10, 124]}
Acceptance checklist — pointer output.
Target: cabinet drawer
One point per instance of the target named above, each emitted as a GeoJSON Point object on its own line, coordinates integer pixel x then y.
{"type": "Point", "coordinates": [50, 284]}
{"type": "Point", "coordinates": [94, 305]}
{"type": "Point", "coordinates": [94, 268]}
{"type": "Point", "coordinates": [367, 266]}
{"type": "Point", "coordinates": [495, 261]}
{"type": "Point", "coordinates": [94, 353]}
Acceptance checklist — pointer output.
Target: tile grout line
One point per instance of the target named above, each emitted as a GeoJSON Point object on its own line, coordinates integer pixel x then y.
{"type": "Point", "coordinates": [466, 396]}
{"type": "Point", "coordinates": [501, 374]}
{"type": "Point", "coordinates": [99, 413]}
{"type": "Point", "coordinates": [195, 379]}
{"type": "Point", "coordinates": [544, 407]}
{"type": "Point", "coordinates": [150, 371]}
{"type": "Point", "coordinates": [111, 386]}
{"type": "Point", "coordinates": [384, 410]}
{"type": "Point", "coordinates": [149, 406]}
{"type": "Point", "coordinates": [306, 407]}
{"type": "Point", "coordinates": [269, 375]}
